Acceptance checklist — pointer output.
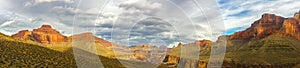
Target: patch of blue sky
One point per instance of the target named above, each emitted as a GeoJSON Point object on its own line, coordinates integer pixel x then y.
{"type": "Point", "coordinates": [233, 30]}
{"type": "Point", "coordinates": [241, 14]}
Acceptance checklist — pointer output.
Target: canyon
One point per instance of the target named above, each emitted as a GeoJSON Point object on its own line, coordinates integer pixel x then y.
{"type": "Point", "coordinates": [269, 38]}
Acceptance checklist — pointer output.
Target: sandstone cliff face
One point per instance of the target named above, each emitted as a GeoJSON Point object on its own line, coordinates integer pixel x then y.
{"type": "Point", "coordinates": [44, 34]}
{"type": "Point", "coordinates": [47, 35]}
{"type": "Point", "coordinates": [291, 28]}
{"type": "Point", "coordinates": [270, 24]}
{"type": "Point", "coordinates": [22, 35]}
{"type": "Point", "coordinates": [297, 16]}
{"type": "Point", "coordinates": [183, 58]}
{"type": "Point", "coordinates": [174, 61]}
{"type": "Point", "coordinates": [141, 52]}
{"type": "Point", "coordinates": [204, 43]}
{"type": "Point", "coordinates": [103, 42]}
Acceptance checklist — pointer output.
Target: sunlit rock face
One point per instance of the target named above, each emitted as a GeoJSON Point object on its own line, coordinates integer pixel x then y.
{"type": "Point", "coordinates": [263, 34]}
{"type": "Point", "coordinates": [270, 24]}
{"type": "Point", "coordinates": [148, 53]}
{"type": "Point", "coordinates": [297, 16]}
{"type": "Point", "coordinates": [44, 34]}
{"type": "Point", "coordinates": [140, 52]}
{"type": "Point", "coordinates": [203, 43]}
{"type": "Point", "coordinates": [291, 28]}
{"type": "Point", "coordinates": [47, 35]}
{"type": "Point", "coordinates": [174, 61]}
{"type": "Point", "coordinates": [22, 35]}
{"type": "Point", "coordinates": [179, 57]}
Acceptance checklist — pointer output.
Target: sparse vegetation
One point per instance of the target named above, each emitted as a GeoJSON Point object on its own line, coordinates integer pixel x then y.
{"type": "Point", "coordinates": [15, 53]}
{"type": "Point", "coordinates": [19, 54]}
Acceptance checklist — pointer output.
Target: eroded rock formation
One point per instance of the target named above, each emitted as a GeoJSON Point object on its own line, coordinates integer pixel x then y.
{"type": "Point", "coordinates": [203, 43]}
{"type": "Point", "coordinates": [270, 24]}
{"type": "Point", "coordinates": [44, 34]}
{"type": "Point", "coordinates": [22, 35]}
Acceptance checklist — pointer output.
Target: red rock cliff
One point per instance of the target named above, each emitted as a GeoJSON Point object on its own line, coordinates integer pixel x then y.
{"type": "Point", "coordinates": [44, 34]}
{"type": "Point", "coordinates": [270, 24]}
{"type": "Point", "coordinates": [22, 35]}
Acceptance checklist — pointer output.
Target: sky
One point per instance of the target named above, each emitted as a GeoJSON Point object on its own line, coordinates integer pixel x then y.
{"type": "Point", "coordinates": [133, 22]}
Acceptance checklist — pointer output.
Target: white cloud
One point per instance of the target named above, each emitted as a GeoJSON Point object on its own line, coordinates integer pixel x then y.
{"type": "Point", "coordinates": [118, 13]}
{"type": "Point", "coordinates": [44, 1]}
{"type": "Point", "coordinates": [5, 4]}
{"type": "Point", "coordinates": [140, 4]}
{"type": "Point", "coordinates": [234, 16]}
{"type": "Point", "coordinates": [7, 23]}
{"type": "Point", "coordinates": [36, 2]}
{"type": "Point", "coordinates": [184, 15]}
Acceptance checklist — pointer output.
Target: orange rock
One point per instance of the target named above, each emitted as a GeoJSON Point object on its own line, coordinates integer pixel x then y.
{"type": "Point", "coordinates": [45, 35]}
{"type": "Point", "coordinates": [290, 26]}
{"type": "Point", "coordinates": [22, 35]}
{"type": "Point", "coordinates": [297, 15]}
{"type": "Point", "coordinates": [268, 24]}
{"type": "Point", "coordinates": [204, 43]}
{"type": "Point", "coordinates": [173, 59]}
{"type": "Point", "coordinates": [96, 39]}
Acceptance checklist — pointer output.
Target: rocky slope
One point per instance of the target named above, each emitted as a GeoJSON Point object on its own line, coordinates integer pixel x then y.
{"type": "Point", "coordinates": [94, 38]}
{"type": "Point", "coordinates": [270, 24]}
{"type": "Point", "coordinates": [180, 57]}
{"type": "Point", "coordinates": [272, 41]}
{"type": "Point", "coordinates": [53, 39]}
{"type": "Point", "coordinates": [22, 35]}
{"type": "Point", "coordinates": [50, 38]}
{"type": "Point", "coordinates": [19, 54]}
{"type": "Point", "coordinates": [204, 43]}
{"type": "Point", "coordinates": [269, 38]}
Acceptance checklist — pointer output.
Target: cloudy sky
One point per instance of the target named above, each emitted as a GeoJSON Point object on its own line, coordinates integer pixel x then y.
{"type": "Point", "coordinates": [132, 22]}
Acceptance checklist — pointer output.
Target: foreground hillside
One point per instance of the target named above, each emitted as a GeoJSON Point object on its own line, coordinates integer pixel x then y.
{"type": "Point", "coordinates": [18, 54]}
{"type": "Point", "coordinates": [272, 41]}
{"type": "Point", "coordinates": [15, 53]}
{"type": "Point", "coordinates": [272, 51]}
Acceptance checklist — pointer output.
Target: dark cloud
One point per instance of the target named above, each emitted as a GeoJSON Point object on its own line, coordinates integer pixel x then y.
{"type": "Point", "coordinates": [151, 29]}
